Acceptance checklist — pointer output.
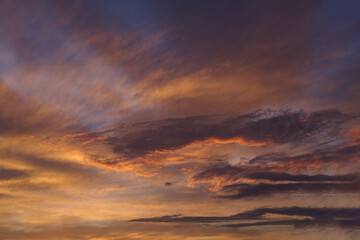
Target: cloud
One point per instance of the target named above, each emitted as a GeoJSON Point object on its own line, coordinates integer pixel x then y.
{"type": "Point", "coordinates": [19, 117]}
{"type": "Point", "coordinates": [223, 174]}
{"type": "Point", "coordinates": [334, 217]}
{"type": "Point", "coordinates": [345, 223]}
{"type": "Point", "coordinates": [264, 189]}
{"type": "Point", "coordinates": [105, 63]}
{"type": "Point", "coordinates": [256, 128]}
{"type": "Point", "coordinates": [338, 156]}
{"type": "Point", "coordinates": [175, 61]}
{"type": "Point", "coordinates": [339, 217]}
{"type": "Point", "coordinates": [282, 176]}
{"type": "Point", "coordinates": [8, 173]}
{"type": "Point", "coordinates": [55, 165]}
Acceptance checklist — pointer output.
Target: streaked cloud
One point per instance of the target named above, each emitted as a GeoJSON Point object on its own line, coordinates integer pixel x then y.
{"type": "Point", "coordinates": [113, 112]}
{"type": "Point", "coordinates": [333, 217]}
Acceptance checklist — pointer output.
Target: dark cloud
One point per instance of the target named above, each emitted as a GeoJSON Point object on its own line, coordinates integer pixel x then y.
{"type": "Point", "coordinates": [282, 176]}
{"type": "Point", "coordinates": [233, 173]}
{"type": "Point", "coordinates": [345, 223]}
{"type": "Point", "coordinates": [175, 218]}
{"type": "Point", "coordinates": [337, 217]}
{"type": "Point", "coordinates": [178, 218]}
{"type": "Point", "coordinates": [101, 62]}
{"type": "Point", "coordinates": [191, 34]}
{"type": "Point", "coordinates": [283, 40]}
{"type": "Point", "coordinates": [283, 182]}
{"type": "Point", "coordinates": [223, 170]}
{"type": "Point", "coordinates": [19, 117]}
{"type": "Point", "coordinates": [265, 189]}
{"type": "Point", "coordinates": [340, 155]}
{"type": "Point", "coordinates": [341, 217]}
{"type": "Point", "coordinates": [3, 195]}
{"type": "Point", "coordinates": [56, 165]}
{"type": "Point", "coordinates": [8, 174]}
{"type": "Point", "coordinates": [275, 167]}
{"type": "Point", "coordinates": [277, 127]}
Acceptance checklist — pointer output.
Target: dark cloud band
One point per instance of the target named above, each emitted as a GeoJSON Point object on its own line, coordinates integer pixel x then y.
{"type": "Point", "coordinates": [340, 217]}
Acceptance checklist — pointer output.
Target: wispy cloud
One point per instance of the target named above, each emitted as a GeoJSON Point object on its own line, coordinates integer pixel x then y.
{"type": "Point", "coordinates": [334, 217]}
{"type": "Point", "coordinates": [118, 110]}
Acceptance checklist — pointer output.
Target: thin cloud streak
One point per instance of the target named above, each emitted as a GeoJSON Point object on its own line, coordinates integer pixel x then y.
{"type": "Point", "coordinates": [120, 110]}
{"type": "Point", "coordinates": [333, 217]}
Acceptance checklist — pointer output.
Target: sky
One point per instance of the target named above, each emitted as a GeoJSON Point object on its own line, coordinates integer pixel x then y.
{"type": "Point", "coordinates": [179, 120]}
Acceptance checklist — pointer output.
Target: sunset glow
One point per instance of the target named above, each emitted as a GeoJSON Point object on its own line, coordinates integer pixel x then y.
{"type": "Point", "coordinates": [179, 120]}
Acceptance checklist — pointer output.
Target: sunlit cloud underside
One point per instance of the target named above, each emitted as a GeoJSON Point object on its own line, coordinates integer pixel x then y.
{"type": "Point", "coordinates": [172, 120]}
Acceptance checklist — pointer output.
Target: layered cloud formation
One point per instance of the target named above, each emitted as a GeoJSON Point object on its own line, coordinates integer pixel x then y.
{"type": "Point", "coordinates": [179, 120]}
